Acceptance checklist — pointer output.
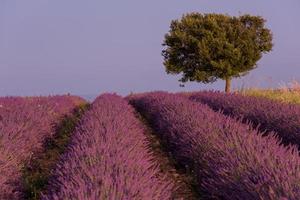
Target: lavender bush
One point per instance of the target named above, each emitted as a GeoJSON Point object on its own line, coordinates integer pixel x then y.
{"type": "Point", "coordinates": [284, 119]}
{"type": "Point", "coordinates": [108, 158]}
{"type": "Point", "coordinates": [24, 125]}
{"type": "Point", "coordinates": [229, 160]}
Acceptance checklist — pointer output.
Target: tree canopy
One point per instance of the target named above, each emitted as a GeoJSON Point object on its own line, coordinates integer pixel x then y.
{"type": "Point", "coordinates": [207, 47]}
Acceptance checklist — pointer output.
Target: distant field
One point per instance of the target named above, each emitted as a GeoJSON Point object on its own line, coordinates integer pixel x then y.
{"type": "Point", "coordinates": [286, 96]}
{"type": "Point", "coordinates": [156, 145]}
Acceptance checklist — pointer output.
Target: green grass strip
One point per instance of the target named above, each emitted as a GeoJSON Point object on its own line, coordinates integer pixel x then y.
{"type": "Point", "coordinates": [38, 171]}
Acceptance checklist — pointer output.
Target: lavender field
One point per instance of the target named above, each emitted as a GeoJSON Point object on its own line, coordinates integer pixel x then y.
{"type": "Point", "coordinates": [156, 145]}
{"type": "Point", "coordinates": [25, 124]}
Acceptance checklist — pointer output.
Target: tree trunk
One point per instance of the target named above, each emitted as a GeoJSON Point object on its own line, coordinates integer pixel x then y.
{"type": "Point", "coordinates": [228, 85]}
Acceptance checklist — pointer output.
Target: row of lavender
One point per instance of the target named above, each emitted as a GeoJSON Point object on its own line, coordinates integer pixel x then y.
{"type": "Point", "coordinates": [24, 125]}
{"type": "Point", "coordinates": [230, 160]}
{"type": "Point", "coordinates": [284, 119]}
{"type": "Point", "coordinates": [108, 158]}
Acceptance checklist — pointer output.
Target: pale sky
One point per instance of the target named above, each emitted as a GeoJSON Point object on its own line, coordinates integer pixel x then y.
{"type": "Point", "coordinates": [95, 46]}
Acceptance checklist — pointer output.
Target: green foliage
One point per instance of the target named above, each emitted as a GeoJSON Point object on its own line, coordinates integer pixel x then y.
{"type": "Point", "coordinates": [207, 47]}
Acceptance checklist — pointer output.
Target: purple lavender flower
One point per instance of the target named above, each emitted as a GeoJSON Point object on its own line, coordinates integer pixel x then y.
{"type": "Point", "coordinates": [270, 115]}
{"type": "Point", "coordinates": [108, 158]}
{"type": "Point", "coordinates": [24, 125]}
{"type": "Point", "coordinates": [229, 160]}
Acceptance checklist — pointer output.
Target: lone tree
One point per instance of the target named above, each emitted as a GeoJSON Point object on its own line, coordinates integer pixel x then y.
{"type": "Point", "coordinates": [207, 47]}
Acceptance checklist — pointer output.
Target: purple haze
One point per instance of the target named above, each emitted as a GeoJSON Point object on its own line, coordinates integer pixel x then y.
{"type": "Point", "coordinates": [88, 47]}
